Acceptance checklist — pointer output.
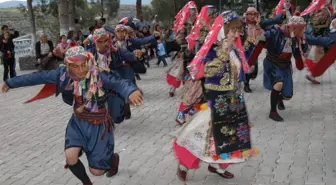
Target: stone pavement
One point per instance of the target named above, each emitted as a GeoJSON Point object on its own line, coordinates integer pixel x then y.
{"type": "Point", "coordinates": [299, 151]}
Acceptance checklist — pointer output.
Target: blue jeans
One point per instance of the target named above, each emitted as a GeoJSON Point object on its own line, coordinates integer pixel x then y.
{"type": "Point", "coordinates": [163, 59]}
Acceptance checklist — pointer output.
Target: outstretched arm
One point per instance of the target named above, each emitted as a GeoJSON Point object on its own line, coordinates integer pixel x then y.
{"type": "Point", "coordinates": [272, 21]}
{"type": "Point", "coordinates": [36, 78]}
{"type": "Point", "coordinates": [116, 83]}
{"type": "Point", "coordinates": [326, 42]}
{"type": "Point", "coordinates": [127, 55]}
{"type": "Point", "coordinates": [143, 41]}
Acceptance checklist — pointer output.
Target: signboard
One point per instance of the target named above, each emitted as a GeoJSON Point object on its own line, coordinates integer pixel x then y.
{"type": "Point", "coordinates": [24, 46]}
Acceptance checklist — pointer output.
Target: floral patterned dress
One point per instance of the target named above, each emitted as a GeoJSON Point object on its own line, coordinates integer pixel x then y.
{"type": "Point", "coordinates": [220, 132]}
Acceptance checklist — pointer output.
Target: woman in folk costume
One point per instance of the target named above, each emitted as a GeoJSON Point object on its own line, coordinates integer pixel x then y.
{"type": "Point", "coordinates": [184, 21]}
{"type": "Point", "coordinates": [192, 89]}
{"type": "Point", "coordinates": [254, 40]}
{"type": "Point", "coordinates": [84, 86]}
{"type": "Point", "coordinates": [219, 134]}
{"type": "Point", "coordinates": [287, 6]}
{"type": "Point", "coordinates": [318, 27]}
{"type": "Point", "coordinates": [282, 43]}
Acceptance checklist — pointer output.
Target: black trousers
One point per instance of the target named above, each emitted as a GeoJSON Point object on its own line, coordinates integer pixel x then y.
{"type": "Point", "coordinates": [9, 67]}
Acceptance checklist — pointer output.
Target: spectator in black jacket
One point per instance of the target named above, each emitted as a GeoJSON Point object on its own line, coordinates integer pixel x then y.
{"type": "Point", "coordinates": [5, 29]}
{"type": "Point", "coordinates": [7, 49]}
{"type": "Point", "coordinates": [43, 50]}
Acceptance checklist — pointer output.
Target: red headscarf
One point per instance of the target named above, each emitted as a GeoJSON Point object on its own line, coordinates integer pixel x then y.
{"type": "Point", "coordinates": [196, 66]}
{"type": "Point", "coordinates": [202, 20]}
{"type": "Point", "coordinates": [183, 15]}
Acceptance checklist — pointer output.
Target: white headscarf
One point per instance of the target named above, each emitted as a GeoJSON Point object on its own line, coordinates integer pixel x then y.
{"type": "Point", "coordinates": [333, 26]}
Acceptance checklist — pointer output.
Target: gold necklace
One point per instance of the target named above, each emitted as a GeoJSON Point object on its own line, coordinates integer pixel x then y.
{"type": "Point", "coordinates": [221, 55]}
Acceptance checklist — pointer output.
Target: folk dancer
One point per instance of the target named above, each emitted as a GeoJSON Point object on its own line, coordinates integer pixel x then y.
{"type": "Point", "coordinates": [84, 86]}
{"type": "Point", "coordinates": [192, 91]}
{"type": "Point", "coordinates": [184, 21]}
{"type": "Point", "coordinates": [318, 27]}
{"type": "Point", "coordinates": [282, 43]}
{"type": "Point", "coordinates": [254, 40]}
{"type": "Point", "coordinates": [219, 133]}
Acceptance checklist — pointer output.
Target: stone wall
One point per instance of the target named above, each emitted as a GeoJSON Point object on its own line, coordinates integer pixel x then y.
{"type": "Point", "coordinates": [27, 63]}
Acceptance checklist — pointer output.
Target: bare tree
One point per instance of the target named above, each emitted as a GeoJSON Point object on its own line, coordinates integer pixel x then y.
{"type": "Point", "coordinates": [63, 16]}
{"type": "Point", "coordinates": [31, 18]}
{"type": "Point", "coordinates": [72, 14]}
{"type": "Point", "coordinates": [102, 8]}
{"type": "Point", "coordinates": [175, 7]}
{"type": "Point", "coordinates": [139, 9]}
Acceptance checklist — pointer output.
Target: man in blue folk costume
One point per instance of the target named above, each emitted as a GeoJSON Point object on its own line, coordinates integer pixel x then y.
{"type": "Point", "coordinates": [125, 65]}
{"type": "Point", "coordinates": [254, 41]}
{"type": "Point", "coordinates": [85, 86]}
{"type": "Point", "coordinates": [318, 27]}
{"type": "Point", "coordinates": [328, 43]}
{"type": "Point", "coordinates": [132, 43]}
{"type": "Point", "coordinates": [282, 43]}
{"type": "Point", "coordinates": [111, 58]}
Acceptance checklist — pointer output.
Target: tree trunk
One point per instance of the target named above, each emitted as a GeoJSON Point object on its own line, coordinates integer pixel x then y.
{"type": "Point", "coordinates": [139, 10]}
{"type": "Point", "coordinates": [175, 7]}
{"type": "Point", "coordinates": [102, 8]}
{"type": "Point", "coordinates": [72, 14]}
{"type": "Point", "coordinates": [63, 16]}
{"type": "Point", "coordinates": [31, 19]}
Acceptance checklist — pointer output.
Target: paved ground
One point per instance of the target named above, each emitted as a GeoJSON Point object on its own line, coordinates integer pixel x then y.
{"type": "Point", "coordinates": [299, 151]}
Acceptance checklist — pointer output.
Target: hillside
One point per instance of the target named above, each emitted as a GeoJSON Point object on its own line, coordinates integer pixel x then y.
{"type": "Point", "coordinates": [10, 4]}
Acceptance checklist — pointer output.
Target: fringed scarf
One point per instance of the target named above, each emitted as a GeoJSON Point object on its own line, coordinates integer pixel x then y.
{"type": "Point", "coordinates": [90, 88]}
{"type": "Point", "coordinates": [104, 56]}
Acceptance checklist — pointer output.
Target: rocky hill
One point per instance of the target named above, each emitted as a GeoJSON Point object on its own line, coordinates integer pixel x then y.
{"type": "Point", "coordinates": [14, 19]}
{"type": "Point", "coordinates": [126, 11]}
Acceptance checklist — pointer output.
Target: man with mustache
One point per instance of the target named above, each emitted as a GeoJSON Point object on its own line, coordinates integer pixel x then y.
{"type": "Point", "coordinates": [85, 86]}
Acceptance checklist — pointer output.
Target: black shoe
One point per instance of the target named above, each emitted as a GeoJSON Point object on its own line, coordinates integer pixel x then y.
{"type": "Point", "coordinates": [276, 117]}
{"type": "Point", "coordinates": [115, 166]}
{"type": "Point", "coordinates": [147, 64]}
{"type": "Point", "coordinates": [247, 88]}
{"type": "Point", "coordinates": [281, 105]}
{"type": "Point", "coordinates": [137, 76]}
{"type": "Point", "coordinates": [225, 175]}
{"type": "Point", "coordinates": [127, 111]}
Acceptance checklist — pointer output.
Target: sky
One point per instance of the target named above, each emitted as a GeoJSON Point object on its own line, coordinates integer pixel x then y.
{"type": "Point", "coordinates": [121, 1]}
{"type": "Point", "coordinates": [1, 1]}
